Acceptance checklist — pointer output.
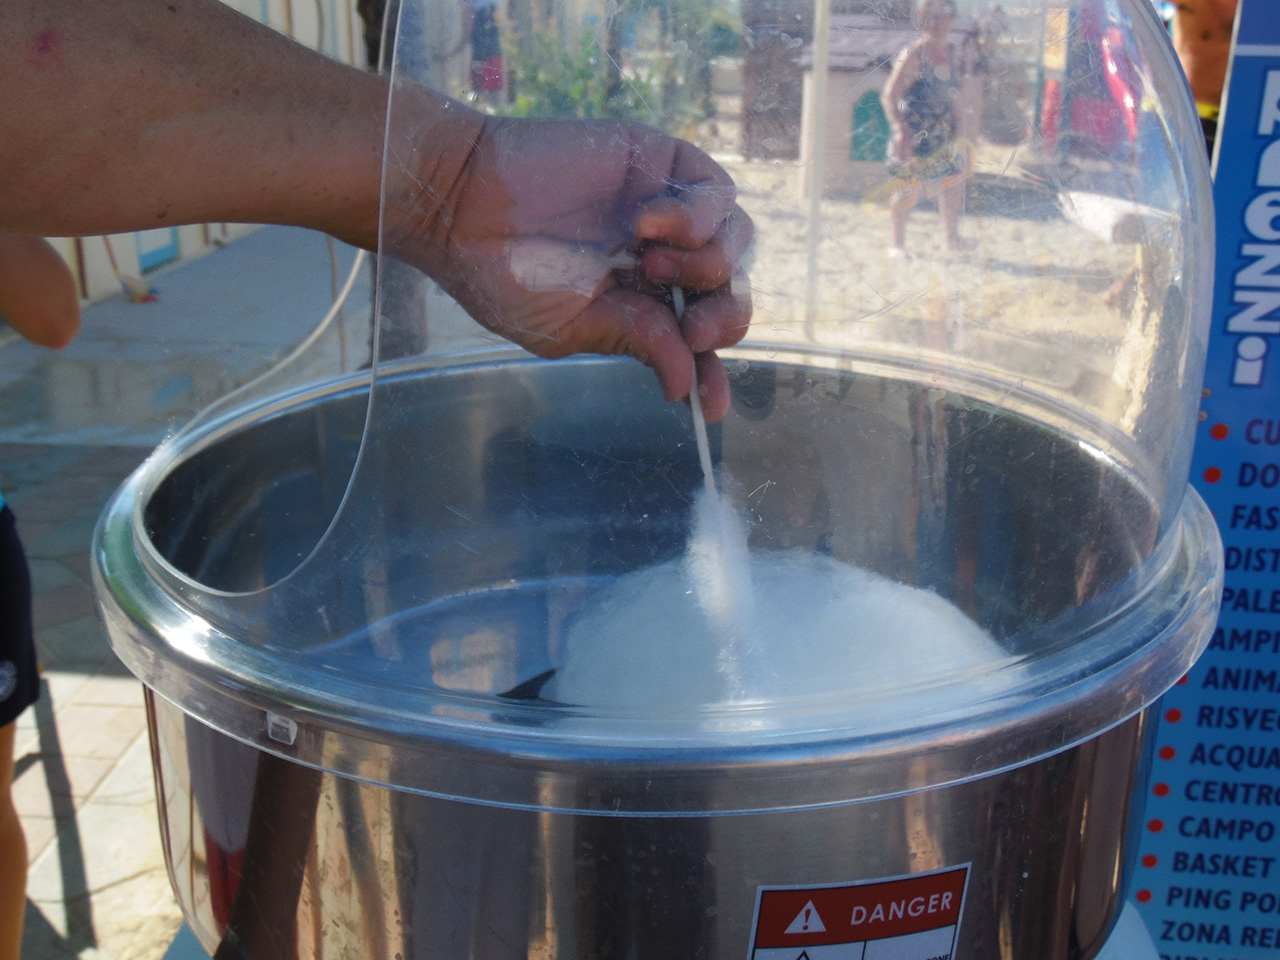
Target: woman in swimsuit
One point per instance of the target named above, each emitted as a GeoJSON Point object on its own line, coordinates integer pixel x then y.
{"type": "Point", "coordinates": [920, 102]}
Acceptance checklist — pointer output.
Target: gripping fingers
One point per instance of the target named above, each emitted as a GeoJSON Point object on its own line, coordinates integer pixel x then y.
{"type": "Point", "coordinates": [702, 267]}
{"type": "Point", "coordinates": [713, 386]}
{"type": "Point", "coordinates": [624, 322]}
{"type": "Point", "coordinates": [718, 319]}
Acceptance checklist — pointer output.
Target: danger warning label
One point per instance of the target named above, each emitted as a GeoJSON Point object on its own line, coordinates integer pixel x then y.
{"type": "Point", "coordinates": [915, 917]}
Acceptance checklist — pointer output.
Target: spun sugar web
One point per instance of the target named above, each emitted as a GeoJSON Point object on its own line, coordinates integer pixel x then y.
{"type": "Point", "coordinates": [800, 624]}
{"type": "Point", "coordinates": [725, 624]}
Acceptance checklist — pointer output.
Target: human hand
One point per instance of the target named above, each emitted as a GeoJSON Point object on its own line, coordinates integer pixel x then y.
{"type": "Point", "coordinates": [566, 236]}
{"type": "Point", "coordinates": [38, 296]}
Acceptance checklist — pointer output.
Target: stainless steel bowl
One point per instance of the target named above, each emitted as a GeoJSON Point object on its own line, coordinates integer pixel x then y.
{"type": "Point", "coordinates": [342, 602]}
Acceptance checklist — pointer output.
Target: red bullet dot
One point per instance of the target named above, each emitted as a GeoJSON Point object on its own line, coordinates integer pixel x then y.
{"type": "Point", "coordinates": [1155, 826]}
{"type": "Point", "coordinates": [1143, 896]}
{"type": "Point", "coordinates": [1212, 475]}
{"type": "Point", "coordinates": [1149, 860]}
{"type": "Point", "coordinates": [1167, 753]}
{"type": "Point", "coordinates": [1219, 431]}
{"type": "Point", "coordinates": [1174, 715]}
{"type": "Point", "coordinates": [1160, 789]}
{"type": "Point", "coordinates": [1182, 680]}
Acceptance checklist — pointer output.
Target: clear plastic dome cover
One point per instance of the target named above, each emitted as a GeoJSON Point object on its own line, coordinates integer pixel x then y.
{"type": "Point", "coordinates": [952, 473]}
{"type": "Point", "coordinates": [1017, 194]}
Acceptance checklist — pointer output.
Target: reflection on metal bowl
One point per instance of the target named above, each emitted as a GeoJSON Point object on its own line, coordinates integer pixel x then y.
{"type": "Point", "coordinates": [341, 603]}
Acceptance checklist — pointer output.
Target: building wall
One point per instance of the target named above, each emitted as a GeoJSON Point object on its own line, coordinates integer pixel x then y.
{"type": "Point", "coordinates": [842, 175]}
{"type": "Point", "coordinates": [331, 26]}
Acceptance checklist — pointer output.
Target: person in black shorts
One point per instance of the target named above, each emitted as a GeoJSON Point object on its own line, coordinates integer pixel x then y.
{"type": "Point", "coordinates": [19, 682]}
{"type": "Point", "coordinates": [19, 688]}
{"type": "Point", "coordinates": [38, 299]}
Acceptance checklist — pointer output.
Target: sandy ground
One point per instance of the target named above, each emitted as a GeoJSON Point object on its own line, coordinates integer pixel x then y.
{"type": "Point", "coordinates": [1058, 289]}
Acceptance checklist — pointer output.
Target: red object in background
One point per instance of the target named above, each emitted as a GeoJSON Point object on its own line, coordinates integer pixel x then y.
{"type": "Point", "coordinates": [1051, 113]}
{"type": "Point", "coordinates": [1122, 81]}
{"type": "Point", "coordinates": [1096, 123]}
{"type": "Point", "coordinates": [486, 75]}
{"type": "Point", "coordinates": [1102, 102]}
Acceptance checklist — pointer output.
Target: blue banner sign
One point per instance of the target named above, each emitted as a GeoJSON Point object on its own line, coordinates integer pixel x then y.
{"type": "Point", "coordinates": [1208, 883]}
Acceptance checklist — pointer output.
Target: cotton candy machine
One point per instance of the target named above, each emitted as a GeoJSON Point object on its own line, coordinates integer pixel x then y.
{"type": "Point", "coordinates": [432, 671]}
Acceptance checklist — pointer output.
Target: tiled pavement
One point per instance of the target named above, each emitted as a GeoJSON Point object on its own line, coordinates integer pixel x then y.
{"type": "Point", "coordinates": [97, 885]}
{"type": "Point", "coordinates": [72, 426]}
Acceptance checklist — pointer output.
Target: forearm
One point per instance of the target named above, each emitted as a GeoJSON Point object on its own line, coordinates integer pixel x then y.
{"type": "Point", "coordinates": [430, 153]}
{"type": "Point", "coordinates": [130, 114]}
{"type": "Point", "coordinates": [889, 103]}
{"type": "Point", "coordinates": [1226, 9]}
{"type": "Point", "coordinates": [894, 87]}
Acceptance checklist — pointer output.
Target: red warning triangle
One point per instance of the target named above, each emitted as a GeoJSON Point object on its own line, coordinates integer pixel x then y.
{"type": "Point", "coordinates": [806, 921]}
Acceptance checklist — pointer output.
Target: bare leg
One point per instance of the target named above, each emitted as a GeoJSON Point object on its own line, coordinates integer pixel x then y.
{"type": "Point", "coordinates": [13, 855]}
{"type": "Point", "coordinates": [900, 208]}
{"type": "Point", "coordinates": [951, 204]}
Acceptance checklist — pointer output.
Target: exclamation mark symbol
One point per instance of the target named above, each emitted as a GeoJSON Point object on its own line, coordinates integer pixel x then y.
{"type": "Point", "coordinates": [807, 920]}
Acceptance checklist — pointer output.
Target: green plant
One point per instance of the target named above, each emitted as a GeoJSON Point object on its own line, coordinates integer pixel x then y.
{"type": "Point", "coordinates": [722, 34]}
{"type": "Point", "coordinates": [579, 82]}
{"type": "Point", "coordinates": [666, 83]}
